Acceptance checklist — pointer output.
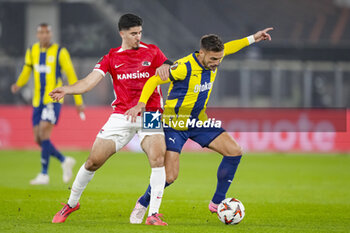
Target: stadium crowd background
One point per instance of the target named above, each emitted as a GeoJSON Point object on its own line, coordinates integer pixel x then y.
{"type": "Point", "coordinates": [306, 65]}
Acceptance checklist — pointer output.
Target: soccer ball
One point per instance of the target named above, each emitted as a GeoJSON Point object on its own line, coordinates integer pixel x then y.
{"type": "Point", "coordinates": [231, 211]}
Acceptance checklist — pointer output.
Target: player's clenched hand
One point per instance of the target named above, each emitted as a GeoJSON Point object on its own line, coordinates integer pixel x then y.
{"type": "Point", "coordinates": [15, 88]}
{"type": "Point", "coordinates": [263, 35]}
{"type": "Point", "coordinates": [80, 110]}
{"type": "Point", "coordinates": [57, 93]}
{"type": "Point", "coordinates": [163, 72]}
{"type": "Point", "coordinates": [134, 111]}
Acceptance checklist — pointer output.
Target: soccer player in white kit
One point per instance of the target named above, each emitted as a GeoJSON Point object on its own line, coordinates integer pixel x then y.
{"type": "Point", "coordinates": [130, 66]}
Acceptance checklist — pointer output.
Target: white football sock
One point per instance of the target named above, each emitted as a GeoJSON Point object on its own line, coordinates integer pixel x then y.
{"type": "Point", "coordinates": [157, 182]}
{"type": "Point", "coordinates": [81, 180]}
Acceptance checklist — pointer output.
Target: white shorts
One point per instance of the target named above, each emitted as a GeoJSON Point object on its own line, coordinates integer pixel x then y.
{"type": "Point", "coordinates": [121, 131]}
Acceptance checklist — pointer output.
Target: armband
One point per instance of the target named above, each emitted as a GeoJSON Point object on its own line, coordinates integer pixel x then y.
{"type": "Point", "coordinates": [168, 62]}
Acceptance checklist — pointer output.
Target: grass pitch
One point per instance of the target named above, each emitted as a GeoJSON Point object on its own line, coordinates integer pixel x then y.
{"type": "Point", "coordinates": [281, 193]}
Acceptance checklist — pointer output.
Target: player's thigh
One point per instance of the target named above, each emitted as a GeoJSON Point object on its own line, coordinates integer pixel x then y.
{"type": "Point", "coordinates": [117, 129]}
{"type": "Point", "coordinates": [175, 139]}
{"type": "Point", "coordinates": [45, 129]}
{"type": "Point", "coordinates": [172, 165]}
{"type": "Point", "coordinates": [226, 145]}
{"type": "Point", "coordinates": [154, 146]}
{"type": "Point", "coordinates": [101, 150]}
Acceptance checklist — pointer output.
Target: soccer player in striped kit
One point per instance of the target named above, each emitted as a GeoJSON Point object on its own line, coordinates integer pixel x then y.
{"type": "Point", "coordinates": [191, 80]}
{"type": "Point", "coordinates": [47, 60]}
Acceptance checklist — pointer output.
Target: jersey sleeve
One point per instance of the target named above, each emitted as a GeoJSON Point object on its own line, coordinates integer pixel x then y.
{"type": "Point", "coordinates": [27, 69]}
{"type": "Point", "coordinates": [150, 86]}
{"type": "Point", "coordinates": [178, 71]}
{"type": "Point", "coordinates": [28, 58]}
{"type": "Point", "coordinates": [235, 45]}
{"type": "Point", "coordinates": [159, 58]}
{"type": "Point", "coordinates": [102, 65]}
{"type": "Point", "coordinates": [67, 66]}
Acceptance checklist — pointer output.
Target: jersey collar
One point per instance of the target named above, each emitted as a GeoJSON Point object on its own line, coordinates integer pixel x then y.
{"type": "Point", "coordinates": [122, 50]}
{"type": "Point", "coordinates": [196, 59]}
{"type": "Point", "coordinates": [42, 49]}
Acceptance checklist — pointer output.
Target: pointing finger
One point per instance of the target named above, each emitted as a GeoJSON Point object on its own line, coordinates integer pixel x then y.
{"type": "Point", "coordinates": [268, 29]}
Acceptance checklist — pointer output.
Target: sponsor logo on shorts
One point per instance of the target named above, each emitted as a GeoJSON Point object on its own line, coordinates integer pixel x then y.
{"type": "Point", "coordinates": [172, 139]}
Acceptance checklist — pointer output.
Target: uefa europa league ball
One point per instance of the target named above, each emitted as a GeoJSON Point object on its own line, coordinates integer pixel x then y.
{"type": "Point", "coordinates": [231, 211]}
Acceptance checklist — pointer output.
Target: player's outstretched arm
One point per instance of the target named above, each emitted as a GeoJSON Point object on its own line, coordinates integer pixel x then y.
{"type": "Point", "coordinates": [147, 91]}
{"type": "Point", "coordinates": [236, 45]}
{"type": "Point", "coordinates": [80, 87]}
{"type": "Point", "coordinates": [263, 35]}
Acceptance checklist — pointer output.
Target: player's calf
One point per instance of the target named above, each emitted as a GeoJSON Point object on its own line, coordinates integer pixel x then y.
{"type": "Point", "coordinates": [171, 177]}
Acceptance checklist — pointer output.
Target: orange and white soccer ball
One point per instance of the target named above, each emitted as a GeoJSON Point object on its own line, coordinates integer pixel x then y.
{"type": "Point", "coordinates": [231, 211]}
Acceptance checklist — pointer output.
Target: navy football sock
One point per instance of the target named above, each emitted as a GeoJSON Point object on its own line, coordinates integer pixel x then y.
{"type": "Point", "coordinates": [54, 152]}
{"type": "Point", "coordinates": [226, 172]}
{"type": "Point", "coordinates": [45, 155]}
{"type": "Point", "coordinates": [146, 198]}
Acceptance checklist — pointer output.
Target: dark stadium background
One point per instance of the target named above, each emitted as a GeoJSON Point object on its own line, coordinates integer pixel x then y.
{"type": "Point", "coordinates": [306, 65]}
{"type": "Point", "coordinates": [294, 175]}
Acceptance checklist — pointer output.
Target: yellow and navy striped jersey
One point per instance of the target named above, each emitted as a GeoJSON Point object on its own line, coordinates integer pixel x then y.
{"type": "Point", "coordinates": [47, 65]}
{"type": "Point", "coordinates": [190, 87]}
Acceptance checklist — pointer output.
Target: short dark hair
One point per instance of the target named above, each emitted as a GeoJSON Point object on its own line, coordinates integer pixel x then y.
{"type": "Point", "coordinates": [129, 20]}
{"type": "Point", "coordinates": [44, 25]}
{"type": "Point", "coordinates": [212, 42]}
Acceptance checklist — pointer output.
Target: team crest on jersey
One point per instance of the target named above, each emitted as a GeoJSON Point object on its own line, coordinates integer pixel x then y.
{"type": "Point", "coordinates": [173, 67]}
{"type": "Point", "coordinates": [51, 59]}
{"type": "Point", "coordinates": [146, 63]}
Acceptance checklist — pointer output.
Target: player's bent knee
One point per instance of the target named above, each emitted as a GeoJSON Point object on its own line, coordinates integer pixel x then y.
{"type": "Point", "coordinates": [92, 165]}
{"type": "Point", "coordinates": [38, 141]}
{"type": "Point", "coordinates": [43, 135]}
{"type": "Point", "coordinates": [157, 161]}
{"type": "Point", "coordinates": [238, 150]}
{"type": "Point", "coordinates": [235, 151]}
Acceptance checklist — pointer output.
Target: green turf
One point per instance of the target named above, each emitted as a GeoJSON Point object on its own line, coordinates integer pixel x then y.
{"type": "Point", "coordinates": [281, 193]}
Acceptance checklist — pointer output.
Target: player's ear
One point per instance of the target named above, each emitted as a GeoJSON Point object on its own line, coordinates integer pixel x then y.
{"type": "Point", "coordinates": [201, 52]}
{"type": "Point", "coordinates": [121, 33]}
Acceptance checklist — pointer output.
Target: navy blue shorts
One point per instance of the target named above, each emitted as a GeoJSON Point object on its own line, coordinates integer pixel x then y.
{"type": "Point", "coordinates": [175, 139]}
{"type": "Point", "coordinates": [49, 112]}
